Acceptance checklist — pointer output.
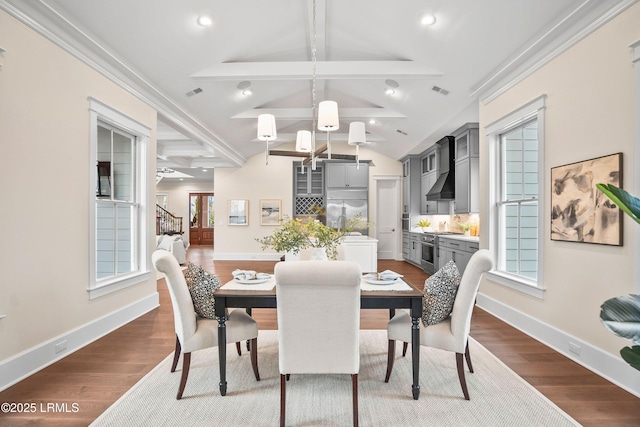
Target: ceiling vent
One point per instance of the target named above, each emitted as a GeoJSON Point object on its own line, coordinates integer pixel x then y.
{"type": "Point", "coordinates": [440, 90]}
{"type": "Point", "coordinates": [194, 92]}
{"type": "Point", "coordinates": [401, 131]}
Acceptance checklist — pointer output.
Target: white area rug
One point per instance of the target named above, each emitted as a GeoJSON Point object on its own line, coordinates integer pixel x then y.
{"type": "Point", "coordinates": [498, 396]}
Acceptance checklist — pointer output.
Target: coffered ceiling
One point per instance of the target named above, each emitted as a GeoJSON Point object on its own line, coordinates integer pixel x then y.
{"type": "Point", "coordinates": [195, 75]}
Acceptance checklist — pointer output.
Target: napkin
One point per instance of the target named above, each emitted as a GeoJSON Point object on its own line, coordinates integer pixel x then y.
{"type": "Point", "coordinates": [385, 275]}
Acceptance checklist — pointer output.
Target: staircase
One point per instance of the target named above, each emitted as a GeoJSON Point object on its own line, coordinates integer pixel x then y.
{"type": "Point", "coordinates": [166, 222]}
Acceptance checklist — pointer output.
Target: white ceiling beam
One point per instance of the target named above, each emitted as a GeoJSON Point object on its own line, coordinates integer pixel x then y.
{"type": "Point", "coordinates": [305, 113]}
{"type": "Point", "coordinates": [325, 70]}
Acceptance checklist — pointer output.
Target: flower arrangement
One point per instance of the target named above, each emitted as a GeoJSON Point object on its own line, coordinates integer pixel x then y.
{"type": "Point", "coordinates": [293, 235]}
{"type": "Point", "coordinates": [423, 223]}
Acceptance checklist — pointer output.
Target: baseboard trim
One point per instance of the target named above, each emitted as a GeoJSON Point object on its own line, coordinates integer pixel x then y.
{"type": "Point", "coordinates": [605, 364]}
{"type": "Point", "coordinates": [34, 359]}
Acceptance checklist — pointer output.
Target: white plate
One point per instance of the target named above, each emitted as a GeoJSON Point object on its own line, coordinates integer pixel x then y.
{"type": "Point", "coordinates": [251, 281]}
{"type": "Point", "coordinates": [380, 282]}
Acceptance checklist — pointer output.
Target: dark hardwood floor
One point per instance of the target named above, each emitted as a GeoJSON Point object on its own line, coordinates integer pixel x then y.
{"type": "Point", "coordinates": [87, 382]}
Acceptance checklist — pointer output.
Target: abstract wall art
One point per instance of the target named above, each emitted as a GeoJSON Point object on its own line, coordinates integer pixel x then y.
{"type": "Point", "coordinates": [579, 211]}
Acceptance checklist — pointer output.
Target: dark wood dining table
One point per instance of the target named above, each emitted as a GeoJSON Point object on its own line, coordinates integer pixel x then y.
{"type": "Point", "coordinates": [391, 300]}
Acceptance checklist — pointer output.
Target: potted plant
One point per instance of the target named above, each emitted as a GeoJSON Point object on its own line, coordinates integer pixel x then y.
{"type": "Point", "coordinates": [621, 315]}
{"type": "Point", "coordinates": [423, 223]}
{"type": "Point", "coordinates": [293, 235]}
{"type": "Point", "coordinates": [466, 228]}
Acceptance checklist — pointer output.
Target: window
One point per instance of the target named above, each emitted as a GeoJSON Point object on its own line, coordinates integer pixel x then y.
{"type": "Point", "coordinates": [117, 237]}
{"type": "Point", "coordinates": [516, 145]}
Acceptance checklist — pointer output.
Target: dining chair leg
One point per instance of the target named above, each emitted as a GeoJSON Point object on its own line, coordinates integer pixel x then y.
{"type": "Point", "coordinates": [186, 362]}
{"type": "Point", "coordinates": [354, 387]}
{"type": "Point", "coordinates": [391, 354]}
{"type": "Point", "coordinates": [176, 355]}
{"type": "Point", "coordinates": [288, 376]}
{"type": "Point", "coordinates": [254, 357]}
{"type": "Point", "coordinates": [283, 396]}
{"type": "Point", "coordinates": [238, 349]}
{"type": "Point", "coordinates": [468, 357]}
{"type": "Point", "coordinates": [404, 348]}
{"type": "Point", "coordinates": [463, 382]}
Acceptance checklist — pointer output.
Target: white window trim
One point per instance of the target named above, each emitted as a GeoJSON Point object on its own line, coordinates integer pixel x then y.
{"type": "Point", "coordinates": [534, 108]}
{"type": "Point", "coordinates": [99, 111]}
{"type": "Point", "coordinates": [635, 60]}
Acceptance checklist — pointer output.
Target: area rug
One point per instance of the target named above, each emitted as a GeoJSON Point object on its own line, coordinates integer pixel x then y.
{"type": "Point", "coordinates": [498, 396]}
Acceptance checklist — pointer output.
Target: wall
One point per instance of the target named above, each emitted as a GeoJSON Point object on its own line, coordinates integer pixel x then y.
{"type": "Point", "coordinates": [178, 198]}
{"type": "Point", "coordinates": [255, 181]}
{"type": "Point", "coordinates": [589, 113]}
{"type": "Point", "coordinates": [46, 194]}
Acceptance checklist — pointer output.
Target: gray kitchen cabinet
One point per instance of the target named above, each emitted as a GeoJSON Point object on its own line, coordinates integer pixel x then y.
{"type": "Point", "coordinates": [310, 183]}
{"type": "Point", "coordinates": [347, 175]}
{"type": "Point", "coordinates": [467, 169]}
{"type": "Point", "coordinates": [457, 250]}
{"type": "Point", "coordinates": [411, 248]}
{"type": "Point", "coordinates": [411, 186]}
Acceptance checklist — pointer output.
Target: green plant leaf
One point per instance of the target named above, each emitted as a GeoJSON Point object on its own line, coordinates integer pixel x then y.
{"type": "Point", "coordinates": [621, 315]}
{"type": "Point", "coordinates": [631, 355]}
{"type": "Point", "coordinates": [625, 201]}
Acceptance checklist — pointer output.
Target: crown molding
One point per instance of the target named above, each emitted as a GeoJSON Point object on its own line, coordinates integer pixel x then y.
{"type": "Point", "coordinates": [584, 20]}
{"type": "Point", "coordinates": [45, 20]}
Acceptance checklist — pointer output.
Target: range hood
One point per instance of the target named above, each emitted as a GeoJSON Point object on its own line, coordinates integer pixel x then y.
{"type": "Point", "coordinates": [445, 186]}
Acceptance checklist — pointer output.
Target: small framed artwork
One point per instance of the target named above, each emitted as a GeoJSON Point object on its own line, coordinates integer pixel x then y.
{"type": "Point", "coordinates": [270, 211]}
{"type": "Point", "coordinates": [579, 211]}
{"type": "Point", "coordinates": [238, 211]}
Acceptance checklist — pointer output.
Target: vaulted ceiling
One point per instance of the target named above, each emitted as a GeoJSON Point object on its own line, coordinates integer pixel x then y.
{"type": "Point", "coordinates": [195, 75]}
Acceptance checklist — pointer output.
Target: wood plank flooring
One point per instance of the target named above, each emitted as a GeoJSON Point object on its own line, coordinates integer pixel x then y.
{"type": "Point", "coordinates": [95, 376]}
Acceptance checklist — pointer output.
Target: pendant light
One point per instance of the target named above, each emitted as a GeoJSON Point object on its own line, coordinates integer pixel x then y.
{"type": "Point", "coordinates": [266, 132]}
{"type": "Point", "coordinates": [357, 137]}
{"type": "Point", "coordinates": [328, 120]}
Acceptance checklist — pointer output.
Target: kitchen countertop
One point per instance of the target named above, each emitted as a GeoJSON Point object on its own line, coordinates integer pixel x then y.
{"type": "Point", "coordinates": [461, 237]}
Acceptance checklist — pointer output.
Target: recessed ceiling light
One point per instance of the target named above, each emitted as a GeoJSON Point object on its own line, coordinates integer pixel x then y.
{"type": "Point", "coordinates": [389, 91]}
{"type": "Point", "coordinates": [247, 92]}
{"type": "Point", "coordinates": [205, 20]}
{"type": "Point", "coordinates": [372, 122]}
{"type": "Point", "coordinates": [428, 19]}
{"type": "Point", "coordinates": [204, 170]}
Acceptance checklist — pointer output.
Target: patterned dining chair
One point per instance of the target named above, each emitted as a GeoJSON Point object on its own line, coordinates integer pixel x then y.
{"type": "Point", "coordinates": [452, 334]}
{"type": "Point", "coordinates": [194, 332]}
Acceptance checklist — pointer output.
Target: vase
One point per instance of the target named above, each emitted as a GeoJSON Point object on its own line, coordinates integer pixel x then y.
{"type": "Point", "coordinates": [290, 256]}
{"type": "Point", "coordinates": [318, 254]}
{"type": "Point", "coordinates": [467, 232]}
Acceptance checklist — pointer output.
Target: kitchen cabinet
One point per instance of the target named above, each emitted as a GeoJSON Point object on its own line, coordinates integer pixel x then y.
{"type": "Point", "coordinates": [411, 248]}
{"type": "Point", "coordinates": [429, 168]}
{"type": "Point", "coordinates": [458, 250]}
{"type": "Point", "coordinates": [411, 186]}
{"type": "Point", "coordinates": [310, 183]}
{"type": "Point", "coordinates": [467, 169]}
{"type": "Point", "coordinates": [347, 175]}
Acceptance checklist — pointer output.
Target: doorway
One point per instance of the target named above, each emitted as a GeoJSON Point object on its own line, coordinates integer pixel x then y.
{"type": "Point", "coordinates": [201, 219]}
{"type": "Point", "coordinates": [387, 216]}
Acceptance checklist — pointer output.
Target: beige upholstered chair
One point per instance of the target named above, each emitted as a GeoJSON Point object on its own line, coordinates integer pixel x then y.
{"type": "Point", "coordinates": [194, 332]}
{"type": "Point", "coordinates": [453, 333]}
{"type": "Point", "coordinates": [318, 321]}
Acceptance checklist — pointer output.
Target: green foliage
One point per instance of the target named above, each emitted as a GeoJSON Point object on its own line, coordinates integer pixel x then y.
{"type": "Point", "coordinates": [625, 201]}
{"type": "Point", "coordinates": [423, 223]}
{"type": "Point", "coordinates": [621, 315]}
{"type": "Point", "coordinates": [293, 235]}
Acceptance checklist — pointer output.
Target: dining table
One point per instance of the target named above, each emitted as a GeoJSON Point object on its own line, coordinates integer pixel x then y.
{"type": "Point", "coordinates": [235, 294]}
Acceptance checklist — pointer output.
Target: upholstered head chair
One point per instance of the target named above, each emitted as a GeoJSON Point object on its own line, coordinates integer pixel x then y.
{"type": "Point", "coordinates": [194, 332]}
{"type": "Point", "coordinates": [318, 321]}
{"type": "Point", "coordinates": [453, 333]}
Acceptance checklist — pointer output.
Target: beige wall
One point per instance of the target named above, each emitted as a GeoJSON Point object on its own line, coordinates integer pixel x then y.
{"type": "Point", "coordinates": [589, 113]}
{"type": "Point", "coordinates": [255, 181]}
{"type": "Point", "coordinates": [45, 188]}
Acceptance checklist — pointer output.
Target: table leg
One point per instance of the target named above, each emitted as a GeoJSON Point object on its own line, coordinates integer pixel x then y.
{"type": "Point", "coordinates": [415, 356]}
{"type": "Point", "coordinates": [222, 353]}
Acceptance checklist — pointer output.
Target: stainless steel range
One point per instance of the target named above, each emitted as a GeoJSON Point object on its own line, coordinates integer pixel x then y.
{"type": "Point", "coordinates": [429, 250]}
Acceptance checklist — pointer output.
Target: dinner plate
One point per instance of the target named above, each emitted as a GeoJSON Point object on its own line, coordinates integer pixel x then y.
{"type": "Point", "coordinates": [251, 281]}
{"type": "Point", "coordinates": [381, 282]}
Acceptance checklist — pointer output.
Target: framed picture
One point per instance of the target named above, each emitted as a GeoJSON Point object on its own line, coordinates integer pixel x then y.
{"type": "Point", "coordinates": [579, 211]}
{"type": "Point", "coordinates": [238, 211]}
{"type": "Point", "coordinates": [270, 211]}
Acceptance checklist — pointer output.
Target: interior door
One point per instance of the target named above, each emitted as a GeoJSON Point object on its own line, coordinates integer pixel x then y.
{"type": "Point", "coordinates": [388, 217]}
{"type": "Point", "coordinates": [201, 219]}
